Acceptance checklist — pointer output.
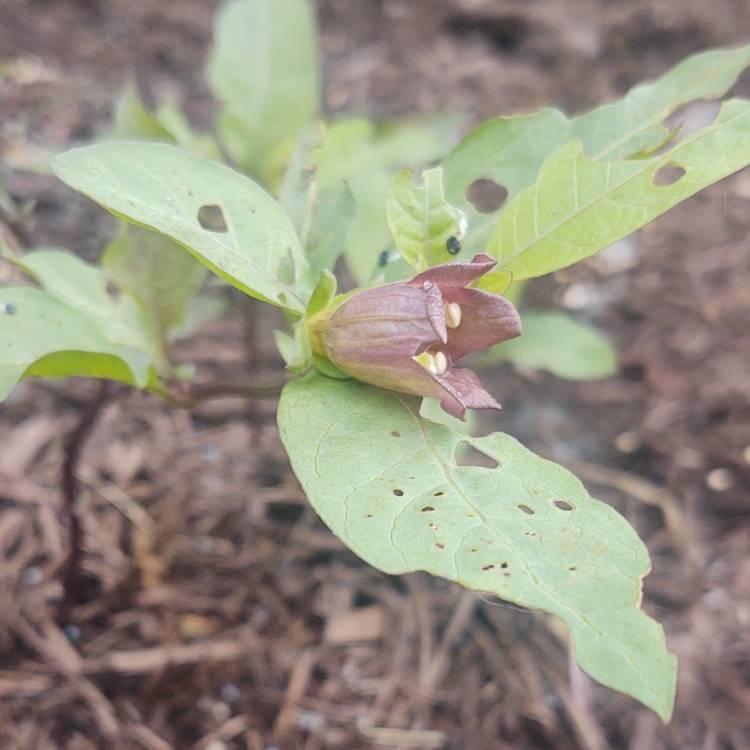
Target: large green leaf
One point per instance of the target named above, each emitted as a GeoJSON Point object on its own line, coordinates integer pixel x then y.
{"type": "Point", "coordinates": [421, 220]}
{"type": "Point", "coordinates": [263, 67]}
{"type": "Point", "coordinates": [510, 150]}
{"type": "Point", "coordinates": [553, 341]}
{"type": "Point", "coordinates": [387, 483]}
{"type": "Point", "coordinates": [578, 206]}
{"type": "Point", "coordinates": [41, 336]}
{"type": "Point", "coordinates": [166, 189]}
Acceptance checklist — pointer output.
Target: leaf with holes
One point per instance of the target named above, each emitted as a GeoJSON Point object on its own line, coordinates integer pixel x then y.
{"type": "Point", "coordinates": [421, 221]}
{"type": "Point", "coordinates": [43, 337]}
{"type": "Point", "coordinates": [526, 530]}
{"type": "Point", "coordinates": [578, 206]}
{"type": "Point", "coordinates": [222, 217]}
{"type": "Point", "coordinates": [263, 67]}
{"type": "Point", "coordinates": [510, 150]}
{"type": "Point", "coordinates": [555, 342]}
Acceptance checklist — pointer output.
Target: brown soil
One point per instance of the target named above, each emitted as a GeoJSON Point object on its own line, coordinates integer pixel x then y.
{"type": "Point", "coordinates": [219, 613]}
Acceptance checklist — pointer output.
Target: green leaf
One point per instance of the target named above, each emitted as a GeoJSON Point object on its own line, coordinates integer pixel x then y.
{"type": "Point", "coordinates": [165, 189]}
{"type": "Point", "coordinates": [331, 219]}
{"type": "Point", "coordinates": [295, 349]}
{"type": "Point", "coordinates": [510, 150]}
{"type": "Point", "coordinates": [506, 150]}
{"type": "Point", "coordinates": [322, 217]}
{"type": "Point", "coordinates": [578, 206]}
{"type": "Point", "coordinates": [183, 133]}
{"type": "Point", "coordinates": [42, 337]}
{"type": "Point", "coordinates": [133, 121]}
{"type": "Point", "coordinates": [158, 274]}
{"type": "Point", "coordinates": [386, 482]}
{"type": "Point", "coordinates": [421, 220]}
{"type": "Point", "coordinates": [263, 67]}
{"type": "Point", "coordinates": [638, 122]}
{"type": "Point", "coordinates": [83, 287]}
{"type": "Point", "coordinates": [365, 155]}
{"type": "Point", "coordinates": [322, 295]}
{"type": "Point", "coordinates": [553, 341]}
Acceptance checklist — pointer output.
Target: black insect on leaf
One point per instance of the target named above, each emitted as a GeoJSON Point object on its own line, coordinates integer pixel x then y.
{"type": "Point", "coordinates": [453, 245]}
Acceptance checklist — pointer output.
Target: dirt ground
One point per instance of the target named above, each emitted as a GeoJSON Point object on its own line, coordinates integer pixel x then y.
{"type": "Point", "coordinates": [219, 613]}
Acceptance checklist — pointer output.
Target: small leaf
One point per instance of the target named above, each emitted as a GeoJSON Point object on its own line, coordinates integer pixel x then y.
{"type": "Point", "coordinates": [365, 156]}
{"type": "Point", "coordinates": [421, 221]}
{"type": "Point", "coordinates": [158, 274]}
{"type": "Point", "coordinates": [295, 349]}
{"type": "Point", "coordinates": [322, 295]}
{"type": "Point", "coordinates": [387, 483]}
{"type": "Point", "coordinates": [183, 134]}
{"type": "Point", "coordinates": [83, 287]}
{"type": "Point", "coordinates": [263, 67]}
{"type": "Point", "coordinates": [164, 188]}
{"type": "Point", "coordinates": [133, 121]}
{"type": "Point", "coordinates": [321, 216]}
{"type": "Point", "coordinates": [553, 341]}
{"type": "Point", "coordinates": [42, 337]}
{"type": "Point", "coordinates": [578, 206]}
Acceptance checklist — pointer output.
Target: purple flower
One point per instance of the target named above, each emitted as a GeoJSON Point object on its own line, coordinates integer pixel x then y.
{"type": "Point", "coordinates": [407, 336]}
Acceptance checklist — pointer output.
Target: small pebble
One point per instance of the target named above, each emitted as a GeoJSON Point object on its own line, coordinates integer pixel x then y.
{"type": "Point", "coordinates": [32, 576]}
{"type": "Point", "coordinates": [719, 480]}
{"type": "Point", "coordinates": [72, 633]}
{"type": "Point", "coordinates": [230, 693]}
{"type": "Point", "coordinates": [628, 442]}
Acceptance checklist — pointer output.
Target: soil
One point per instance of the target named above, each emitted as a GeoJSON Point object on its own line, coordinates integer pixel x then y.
{"type": "Point", "coordinates": [218, 611]}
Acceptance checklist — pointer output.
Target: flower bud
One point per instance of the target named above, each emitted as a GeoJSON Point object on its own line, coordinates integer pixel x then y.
{"type": "Point", "coordinates": [407, 336]}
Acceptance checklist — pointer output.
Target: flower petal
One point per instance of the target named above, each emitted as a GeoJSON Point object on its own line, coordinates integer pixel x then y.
{"type": "Point", "coordinates": [435, 308]}
{"type": "Point", "coordinates": [486, 319]}
{"type": "Point", "coordinates": [382, 324]}
{"type": "Point", "coordinates": [462, 390]}
{"type": "Point", "coordinates": [456, 274]}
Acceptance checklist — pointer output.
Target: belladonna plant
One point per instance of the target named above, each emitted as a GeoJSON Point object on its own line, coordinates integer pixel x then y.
{"type": "Point", "coordinates": [381, 469]}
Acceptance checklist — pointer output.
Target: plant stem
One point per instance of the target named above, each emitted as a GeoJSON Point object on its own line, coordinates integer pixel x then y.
{"type": "Point", "coordinates": [206, 391]}
{"type": "Point", "coordinates": [69, 485]}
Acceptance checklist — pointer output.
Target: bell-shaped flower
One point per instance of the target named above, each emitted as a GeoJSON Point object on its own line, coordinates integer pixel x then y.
{"type": "Point", "coordinates": [407, 336]}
